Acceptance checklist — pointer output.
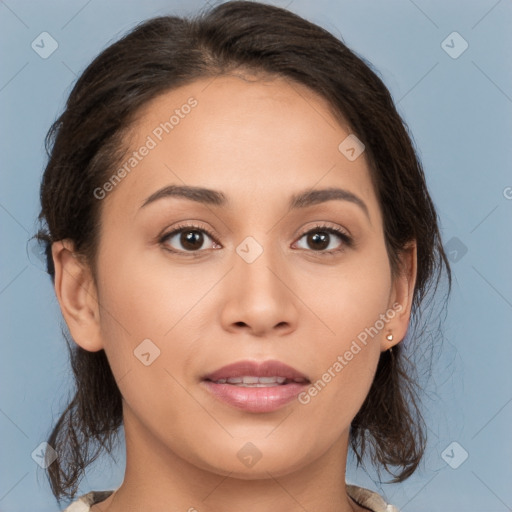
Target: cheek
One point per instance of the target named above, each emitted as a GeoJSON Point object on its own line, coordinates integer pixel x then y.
{"type": "Point", "coordinates": [151, 316]}
{"type": "Point", "coordinates": [145, 296]}
{"type": "Point", "coordinates": [351, 302]}
{"type": "Point", "coordinates": [144, 311]}
{"type": "Point", "coordinates": [137, 308]}
{"type": "Point", "coordinates": [350, 298]}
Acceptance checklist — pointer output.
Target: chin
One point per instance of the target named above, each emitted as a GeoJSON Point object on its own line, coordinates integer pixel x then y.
{"type": "Point", "coordinates": [259, 467]}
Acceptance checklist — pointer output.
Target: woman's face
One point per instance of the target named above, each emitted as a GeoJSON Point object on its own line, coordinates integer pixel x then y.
{"type": "Point", "coordinates": [254, 275]}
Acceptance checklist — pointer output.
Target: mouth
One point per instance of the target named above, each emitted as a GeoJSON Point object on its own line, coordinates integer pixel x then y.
{"type": "Point", "coordinates": [256, 387]}
{"type": "Point", "coordinates": [252, 381]}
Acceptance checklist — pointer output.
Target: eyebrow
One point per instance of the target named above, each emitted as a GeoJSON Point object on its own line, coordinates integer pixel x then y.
{"type": "Point", "coordinates": [217, 198]}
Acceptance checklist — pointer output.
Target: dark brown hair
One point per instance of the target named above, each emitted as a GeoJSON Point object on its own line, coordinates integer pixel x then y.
{"type": "Point", "coordinates": [86, 142]}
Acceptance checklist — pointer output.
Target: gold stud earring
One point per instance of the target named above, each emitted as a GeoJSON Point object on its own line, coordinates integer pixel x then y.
{"type": "Point", "coordinates": [389, 337]}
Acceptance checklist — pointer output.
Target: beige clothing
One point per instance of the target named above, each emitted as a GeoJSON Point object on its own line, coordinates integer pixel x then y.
{"type": "Point", "coordinates": [364, 497]}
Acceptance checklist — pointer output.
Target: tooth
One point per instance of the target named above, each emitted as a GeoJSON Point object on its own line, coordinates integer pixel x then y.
{"type": "Point", "coordinates": [250, 380]}
{"type": "Point", "coordinates": [253, 381]}
{"type": "Point", "coordinates": [258, 385]}
{"type": "Point", "coordinates": [268, 380]}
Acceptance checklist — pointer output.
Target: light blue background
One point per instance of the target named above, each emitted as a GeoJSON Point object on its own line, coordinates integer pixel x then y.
{"type": "Point", "coordinates": [460, 113]}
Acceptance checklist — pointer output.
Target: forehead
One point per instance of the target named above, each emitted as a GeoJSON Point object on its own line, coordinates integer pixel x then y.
{"type": "Point", "coordinates": [258, 139]}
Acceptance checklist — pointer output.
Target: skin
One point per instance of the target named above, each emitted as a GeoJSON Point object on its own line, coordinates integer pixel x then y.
{"type": "Point", "coordinates": [259, 142]}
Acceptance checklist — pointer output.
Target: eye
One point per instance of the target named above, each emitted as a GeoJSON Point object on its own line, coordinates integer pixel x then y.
{"type": "Point", "coordinates": [190, 237]}
{"type": "Point", "coordinates": [320, 238]}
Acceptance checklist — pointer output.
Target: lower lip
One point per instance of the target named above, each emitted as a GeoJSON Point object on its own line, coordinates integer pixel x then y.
{"type": "Point", "coordinates": [255, 399]}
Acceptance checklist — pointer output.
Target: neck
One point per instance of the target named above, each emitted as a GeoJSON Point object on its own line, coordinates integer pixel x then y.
{"type": "Point", "coordinates": [158, 479]}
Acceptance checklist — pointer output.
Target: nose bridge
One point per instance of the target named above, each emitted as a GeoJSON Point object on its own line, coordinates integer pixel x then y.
{"type": "Point", "coordinates": [257, 263]}
{"type": "Point", "coordinates": [258, 295]}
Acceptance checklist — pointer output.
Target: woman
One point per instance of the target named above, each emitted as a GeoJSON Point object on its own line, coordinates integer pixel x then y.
{"type": "Point", "coordinates": [240, 237]}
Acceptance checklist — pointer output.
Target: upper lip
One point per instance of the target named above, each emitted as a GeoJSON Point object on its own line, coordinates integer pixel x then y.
{"type": "Point", "coordinates": [271, 368]}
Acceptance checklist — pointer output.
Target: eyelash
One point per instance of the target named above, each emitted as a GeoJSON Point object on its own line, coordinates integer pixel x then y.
{"type": "Point", "coordinates": [346, 239]}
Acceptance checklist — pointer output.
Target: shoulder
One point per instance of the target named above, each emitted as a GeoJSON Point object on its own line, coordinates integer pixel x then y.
{"type": "Point", "coordinates": [84, 502]}
{"type": "Point", "coordinates": [369, 499]}
{"type": "Point", "coordinates": [363, 497]}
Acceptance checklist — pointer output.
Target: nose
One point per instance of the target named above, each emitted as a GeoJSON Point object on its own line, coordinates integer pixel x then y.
{"type": "Point", "coordinates": [259, 297]}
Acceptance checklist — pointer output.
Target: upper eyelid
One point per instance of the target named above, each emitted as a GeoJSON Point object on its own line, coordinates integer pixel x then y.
{"type": "Point", "coordinates": [192, 227]}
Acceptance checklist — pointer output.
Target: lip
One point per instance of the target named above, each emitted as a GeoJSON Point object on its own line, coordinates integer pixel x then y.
{"type": "Point", "coordinates": [256, 399]}
{"type": "Point", "coordinates": [258, 369]}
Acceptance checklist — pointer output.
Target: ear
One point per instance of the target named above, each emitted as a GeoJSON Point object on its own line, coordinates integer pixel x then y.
{"type": "Point", "coordinates": [77, 296]}
{"type": "Point", "coordinates": [401, 297]}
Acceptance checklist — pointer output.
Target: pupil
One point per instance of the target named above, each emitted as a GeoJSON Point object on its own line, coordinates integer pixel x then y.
{"type": "Point", "coordinates": [321, 237]}
{"type": "Point", "coordinates": [192, 239]}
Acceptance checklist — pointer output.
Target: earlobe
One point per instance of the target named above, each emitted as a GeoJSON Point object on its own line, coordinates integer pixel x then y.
{"type": "Point", "coordinates": [401, 297]}
{"type": "Point", "coordinates": [77, 296]}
